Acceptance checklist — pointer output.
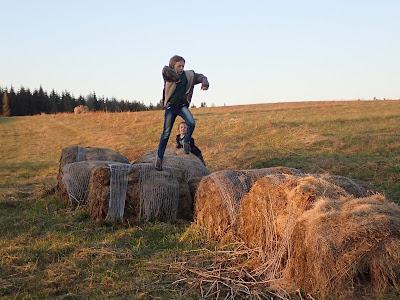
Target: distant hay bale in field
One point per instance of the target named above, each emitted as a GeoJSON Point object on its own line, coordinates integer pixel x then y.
{"type": "Point", "coordinates": [148, 194]}
{"type": "Point", "coordinates": [81, 109]}
{"type": "Point", "coordinates": [355, 187]}
{"type": "Point", "coordinates": [74, 154]}
{"type": "Point", "coordinates": [219, 197]}
{"type": "Point", "coordinates": [313, 235]}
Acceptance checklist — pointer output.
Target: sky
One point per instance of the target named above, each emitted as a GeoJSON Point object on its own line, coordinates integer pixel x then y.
{"type": "Point", "coordinates": [251, 51]}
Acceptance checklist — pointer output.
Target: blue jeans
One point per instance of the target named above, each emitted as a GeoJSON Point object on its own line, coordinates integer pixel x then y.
{"type": "Point", "coordinates": [171, 112]}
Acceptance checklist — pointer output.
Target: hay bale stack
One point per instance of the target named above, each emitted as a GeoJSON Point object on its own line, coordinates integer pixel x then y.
{"type": "Point", "coordinates": [150, 194]}
{"type": "Point", "coordinates": [346, 248]}
{"type": "Point", "coordinates": [355, 187]}
{"type": "Point", "coordinates": [269, 211]}
{"type": "Point", "coordinates": [219, 197]}
{"type": "Point", "coordinates": [74, 154]}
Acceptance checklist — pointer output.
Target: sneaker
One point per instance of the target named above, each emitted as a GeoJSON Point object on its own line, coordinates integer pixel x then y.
{"type": "Point", "coordinates": [158, 164]}
{"type": "Point", "coordinates": [186, 148]}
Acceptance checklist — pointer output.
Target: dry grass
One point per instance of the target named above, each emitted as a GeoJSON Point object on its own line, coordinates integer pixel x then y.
{"type": "Point", "coordinates": [51, 252]}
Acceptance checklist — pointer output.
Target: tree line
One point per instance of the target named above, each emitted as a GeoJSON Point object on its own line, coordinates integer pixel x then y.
{"type": "Point", "coordinates": [26, 103]}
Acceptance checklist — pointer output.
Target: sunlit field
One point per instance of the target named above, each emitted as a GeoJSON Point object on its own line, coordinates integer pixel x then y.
{"type": "Point", "coordinates": [48, 250]}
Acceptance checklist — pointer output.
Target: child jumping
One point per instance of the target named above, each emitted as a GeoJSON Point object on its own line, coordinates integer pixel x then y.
{"type": "Point", "coordinates": [177, 94]}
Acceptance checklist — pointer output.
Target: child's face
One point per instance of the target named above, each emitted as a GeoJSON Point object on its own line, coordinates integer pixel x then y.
{"type": "Point", "coordinates": [182, 129]}
{"type": "Point", "coordinates": [179, 66]}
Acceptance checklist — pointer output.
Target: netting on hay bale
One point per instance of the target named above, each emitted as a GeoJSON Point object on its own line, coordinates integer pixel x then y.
{"type": "Point", "coordinates": [313, 235]}
{"type": "Point", "coordinates": [74, 154]}
{"type": "Point", "coordinates": [76, 179]}
{"type": "Point", "coordinates": [219, 195]}
{"type": "Point", "coordinates": [191, 165]}
{"type": "Point", "coordinates": [146, 194]}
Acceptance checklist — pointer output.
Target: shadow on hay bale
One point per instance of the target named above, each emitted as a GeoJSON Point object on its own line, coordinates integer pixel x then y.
{"type": "Point", "coordinates": [191, 165]}
{"type": "Point", "coordinates": [149, 157]}
{"type": "Point", "coordinates": [314, 236]}
{"type": "Point", "coordinates": [74, 154]}
{"type": "Point", "coordinates": [149, 195]}
{"type": "Point", "coordinates": [219, 195]}
{"type": "Point", "coordinates": [176, 158]}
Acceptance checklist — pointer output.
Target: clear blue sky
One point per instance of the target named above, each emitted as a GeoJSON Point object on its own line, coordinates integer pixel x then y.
{"type": "Point", "coordinates": [251, 51]}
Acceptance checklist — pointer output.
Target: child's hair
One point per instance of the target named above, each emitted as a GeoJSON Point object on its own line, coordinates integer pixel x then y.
{"type": "Point", "coordinates": [174, 59]}
{"type": "Point", "coordinates": [183, 122]}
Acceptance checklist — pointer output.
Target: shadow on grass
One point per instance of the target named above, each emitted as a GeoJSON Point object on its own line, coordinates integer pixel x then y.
{"type": "Point", "coordinates": [7, 119]}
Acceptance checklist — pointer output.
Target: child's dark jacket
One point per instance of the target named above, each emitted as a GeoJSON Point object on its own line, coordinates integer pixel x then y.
{"type": "Point", "coordinates": [171, 77]}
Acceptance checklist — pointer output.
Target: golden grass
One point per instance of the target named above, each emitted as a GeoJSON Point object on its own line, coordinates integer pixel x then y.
{"type": "Point", "coordinates": [51, 252]}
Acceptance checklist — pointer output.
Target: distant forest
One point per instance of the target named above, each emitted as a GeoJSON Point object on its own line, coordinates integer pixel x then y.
{"type": "Point", "coordinates": [26, 103]}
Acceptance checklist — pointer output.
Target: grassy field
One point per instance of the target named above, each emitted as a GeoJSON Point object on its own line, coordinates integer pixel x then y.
{"type": "Point", "coordinates": [50, 251]}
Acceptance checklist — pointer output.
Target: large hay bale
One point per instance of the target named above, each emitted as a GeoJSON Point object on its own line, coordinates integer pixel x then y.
{"type": "Point", "coordinates": [219, 195]}
{"type": "Point", "coordinates": [76, 178]}
{"type": "Point", "coordinates": [346, 248]}
{"type": "Point", "coordinates": [269, 210]}
{"type": "Point", "coordinates": [355, 187]}
{"type": "Point", "coordinates": [176, 158]}
{"type": "Point", "coordinates": [150, 194]}
{"type": "Point", "coordinates": [74, 154]}
{"type": "Point", "coordinates": [313, 235]}
{"type": "Point", "coordinates": [191, 165]}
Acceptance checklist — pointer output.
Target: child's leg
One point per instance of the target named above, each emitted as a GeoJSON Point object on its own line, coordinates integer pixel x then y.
{"type": "Point", "coordinates": [189, 120]}
{"type": "Point", "coordinates": [169, 119]}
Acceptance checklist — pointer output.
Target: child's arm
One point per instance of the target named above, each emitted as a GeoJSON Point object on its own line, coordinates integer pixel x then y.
{"type": "Point", "coordinates": [170, 74]}
{"type": "Point", "coordinates": [200, 78]}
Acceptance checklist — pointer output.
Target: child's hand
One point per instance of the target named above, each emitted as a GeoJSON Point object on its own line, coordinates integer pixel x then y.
{"type": "Point", "coordinates": [204, 87]}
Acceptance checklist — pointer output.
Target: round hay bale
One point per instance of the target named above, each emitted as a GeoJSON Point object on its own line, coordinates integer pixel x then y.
{"type": "Point", "coordinates": [346, 249]}
{"type": "Point", "coordinates": [190, 164]}
{"type": "Point", "coordinates": [150, 156]}
{"type": "Point", "coordinates": [355, 187]}
{"type": "Point", "coordinates": [269, 211]}
{"type": "Point", "coordinates": [150, 194]}
{"type": "Point", "coordinates": [76, 179]}
{"type": "Point", "coordinates": [81, 109]}
{"type": "Point", "coordinates": [219, 195]}
{"type": "Point", "coordinates": [74, 154]}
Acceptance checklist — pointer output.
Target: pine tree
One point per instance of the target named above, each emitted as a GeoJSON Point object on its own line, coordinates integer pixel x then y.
{"type": "Point", "coordinates": [6, 107]}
